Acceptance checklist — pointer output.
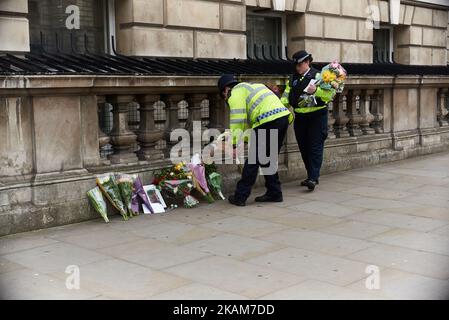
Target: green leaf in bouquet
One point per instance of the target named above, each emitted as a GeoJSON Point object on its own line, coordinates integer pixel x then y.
{"type": "Point", "coordinates": [97, 201]}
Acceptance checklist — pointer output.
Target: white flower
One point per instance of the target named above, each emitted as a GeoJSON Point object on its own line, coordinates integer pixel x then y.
{"type": "Point", "coordinates": [175, 190]}
{"type": "Point", "coordinates": [171, 173]}
{"type": "Point", "coordinates": [189, 185]}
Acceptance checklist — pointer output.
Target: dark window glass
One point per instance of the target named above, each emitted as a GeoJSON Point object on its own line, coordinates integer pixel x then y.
{"type": "Point", "coordinates": [49, 18]}
{"type": "Point", "coordinates": [264, 31]}
{"type": "Point", "coordinates": [381, 45]}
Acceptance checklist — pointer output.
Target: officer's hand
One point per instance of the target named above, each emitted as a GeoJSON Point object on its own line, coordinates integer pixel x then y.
{"type": "Point", "coordinates": [311, 89]}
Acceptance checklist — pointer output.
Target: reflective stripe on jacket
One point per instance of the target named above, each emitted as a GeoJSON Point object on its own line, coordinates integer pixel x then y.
{"type": "Point", "coordinates": [253, 104]}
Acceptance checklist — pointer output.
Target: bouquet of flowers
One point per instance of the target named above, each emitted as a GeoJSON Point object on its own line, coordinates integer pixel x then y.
{"type": "Point", "coordinates": [139, 196]}
{"type": "Point", "coordinates": [97, 201]}
{"type": "Point", "coordinates": [176, 183]}
{"type": "Point", "coordinates": [332, 76]}
{"type": "Point", "coordinates": [199, 180]}
{"type": "Point", "coordinates": [177, 189]}
{"type": "Point", "coordinates": [110, 189]}
{"type": "Point", "coordinates": [125, 183]}
{"type": "Point", "coordinates": [214, 180]}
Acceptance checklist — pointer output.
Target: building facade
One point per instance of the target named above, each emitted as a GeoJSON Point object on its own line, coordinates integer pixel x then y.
{"type": "Point", "coordinates": [408, 32]}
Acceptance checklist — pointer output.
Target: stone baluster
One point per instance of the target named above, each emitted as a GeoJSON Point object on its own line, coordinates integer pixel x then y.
{"type": "Point", "coordinates": [147, 134]}
{"type": "Point", "coordinates": [353, 114]}
{"type": "Point", "coordinates": [367, 117]}
{"type": "Point", "coordinates": [171, 108]}
{"type": "Point", "coordinates": [123, 140]}
{"type": "Point", "coordinates": [340, 117]}
{"type": "Point", "coordinates": [195, 101]}
{"type": "Point", "coordinates": [442, 111]}
{"type": "Point", "coordinates": [103, 139]}
{"type": "Point", "coordinates": [331, 122]}
{"type": "Point", "coordinates": [217, 115]}
{"type": "Point", "coordinates": [376, 109]}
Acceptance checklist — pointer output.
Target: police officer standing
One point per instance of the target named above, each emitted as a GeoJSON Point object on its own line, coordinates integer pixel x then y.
{"type": "Point", "coordinates": [255, 106]}
{"type": "Point", "coordinates": [310, 121]}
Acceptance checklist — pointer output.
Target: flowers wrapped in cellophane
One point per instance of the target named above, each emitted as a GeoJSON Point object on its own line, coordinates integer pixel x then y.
{"type": "Point", "coordinates": [331, 77]}
{"type": "Point", "coordinates": [214, 180]}
{"type": "Point", "coordinates": [200, 182]}
{"type": "Point", "coordinates": [111, 191]}
{"type": "Point", "coordinates": [139, 196]}
{"type": "Point", "coordinates": [97, 201]}
{"type": "Point", "coordinates": [125, 183]}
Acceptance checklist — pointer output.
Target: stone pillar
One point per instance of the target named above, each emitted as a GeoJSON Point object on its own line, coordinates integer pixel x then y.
{"type": "Point", "coordinates": [353, 114]}
{"type": "Point", "coordinates": [217, 115]}
{"type": "Point", "coordinates": [171, 106]}
{"type": "Point", "coordinates": [377, 108]}
{"type": "Point", "coordinates": [122, 139]}
{"type": "Point", "coordinates": [331, 122]}
{"type": "Point", "coordinates": [367, 117]}
{"type": "Point", "coordinates": [340, 117]}
{"type": "Point", "coordinates": [147, 134]}
{"type": "Point", "coordinates": [103, 139]}
{"type": "Point", "coordinates": [442, 112]}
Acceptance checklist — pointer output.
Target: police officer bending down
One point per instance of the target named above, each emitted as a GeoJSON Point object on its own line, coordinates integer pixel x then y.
{"type": "Point", "coordinates": [255, 106]}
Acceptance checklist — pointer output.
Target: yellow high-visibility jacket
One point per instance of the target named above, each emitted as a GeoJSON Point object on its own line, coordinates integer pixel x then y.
{"type": "Point", "coordinates": [325, 95]}
{"type": "Point", "coordinates": [253, 104]}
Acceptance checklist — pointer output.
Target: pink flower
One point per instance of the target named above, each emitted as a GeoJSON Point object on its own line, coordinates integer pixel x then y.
{"type": "Point", "coordinates": [335, 64]}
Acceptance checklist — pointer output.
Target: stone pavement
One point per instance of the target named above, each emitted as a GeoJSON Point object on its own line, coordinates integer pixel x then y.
{"type": "Point", "coordinates": [393, 218]}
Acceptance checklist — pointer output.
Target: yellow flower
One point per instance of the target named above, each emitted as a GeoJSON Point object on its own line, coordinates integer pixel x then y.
{"type": "Point", "coordinates": [328, 76]}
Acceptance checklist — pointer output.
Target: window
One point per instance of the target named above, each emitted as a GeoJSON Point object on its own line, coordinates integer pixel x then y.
{"type": "Point", "coordinates": [49, 18]}
{"type": "Point", "coordinates": [383, 45]}
{"type": "Point", "coordinates": [265, 31]}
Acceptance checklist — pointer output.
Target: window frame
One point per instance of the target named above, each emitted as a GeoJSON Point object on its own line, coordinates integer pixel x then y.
{"type": "Point", "coordinates": [271, 14]}
{"type": "Point", "coordinates": [390, 40]}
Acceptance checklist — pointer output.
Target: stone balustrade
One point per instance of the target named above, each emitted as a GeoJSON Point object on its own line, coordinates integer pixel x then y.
{"type": "Point", "coordinates": [59, 132]}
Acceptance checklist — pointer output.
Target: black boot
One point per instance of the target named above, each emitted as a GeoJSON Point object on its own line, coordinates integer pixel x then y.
{"type": "Point", "coordinates": [305, 184]}
{"type": "Point", "coordinates": [236, 202]}
{"type": "Point", "coordinates": [310, 184]}
{"type": "Point", "coordinates": [267, 198]}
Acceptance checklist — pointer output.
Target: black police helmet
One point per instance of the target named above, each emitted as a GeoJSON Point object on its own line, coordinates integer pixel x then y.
{"type": "Point", "coordinates": [302, 55]}
{"type": "Point", "coordinates": [226, 80]}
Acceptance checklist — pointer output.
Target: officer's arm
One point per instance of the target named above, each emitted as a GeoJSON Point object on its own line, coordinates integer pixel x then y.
{"type": "Point", "coordinates": [238, 115]}
{"type": "Point", "coordinates": [327, 95]}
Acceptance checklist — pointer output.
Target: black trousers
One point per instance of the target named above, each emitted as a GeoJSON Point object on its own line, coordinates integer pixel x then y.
{"type": "Point", "coordinates": [250, 170]}
{"type": "Point", "coordinates": [311, 132]}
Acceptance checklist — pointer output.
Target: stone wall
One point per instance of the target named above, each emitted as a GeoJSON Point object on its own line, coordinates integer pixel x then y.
{"type": "Point", "coordinates": [421, 37]}
{"type": "Point", "coordinates": [51, 139]}
{"type": "Point", "coordinates": [328, 28]}
{"type": "Point", "coordinates": [217, 28]}
{"type": "Point", "coordinates": [14, 30]}
{"type": "Point", "coordinates": [187, 28]}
